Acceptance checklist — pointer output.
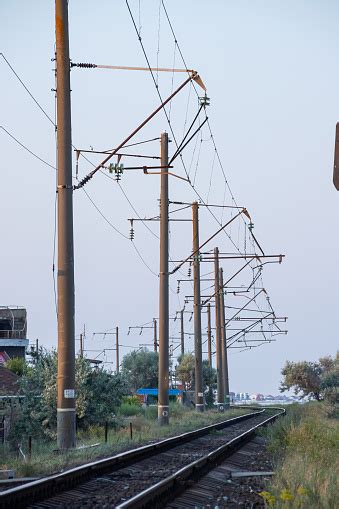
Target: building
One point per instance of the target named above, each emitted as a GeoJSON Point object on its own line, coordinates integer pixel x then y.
{"type": "Point", "coordinates": [13, 331]}
{"type": "Point", "coordinates": [9, 400]}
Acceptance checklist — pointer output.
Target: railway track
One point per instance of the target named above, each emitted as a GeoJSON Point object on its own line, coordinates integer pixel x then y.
{"type": "Point", "coordinates": [235, 482]}
{"type": "Point", "coordinates": [148, 476]}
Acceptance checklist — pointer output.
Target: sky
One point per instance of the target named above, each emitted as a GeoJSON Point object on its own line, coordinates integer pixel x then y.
{"type": "Point", "coordinates": [270, 68]}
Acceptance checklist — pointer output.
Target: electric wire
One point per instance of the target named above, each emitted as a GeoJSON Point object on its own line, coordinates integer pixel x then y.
{"type": "Point", "coordinates": [208, 123]}
{"type": "Point", "coordinates": [142, 259]}
{"type": "Point", "coordinates": [172, 81]}
{"type": "Point", "coordinates": [158, 49]}
{"type": "Point", "coordinates": [27, 149]}
{"type": "Point", "coordinates": [104, 217]}
{"type": "Point", "coordinates": [136, 212]}
{"type": "Point", "coordinates": [27, 90]}
{"type": "Point", "coordinates": [152, 74]}
{"type": "Point", "coordinates": [252, 238]}
{"type": "Point", "coordinates": [45, 162]}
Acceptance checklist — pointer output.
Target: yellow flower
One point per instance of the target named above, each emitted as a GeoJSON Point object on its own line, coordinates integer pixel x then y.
{"type": "Point", "coordinates": [301, 491]}
{"type": "Point", "coordinates": [268, 497]}
{"type": "Point", "coordinates": [286, 495]}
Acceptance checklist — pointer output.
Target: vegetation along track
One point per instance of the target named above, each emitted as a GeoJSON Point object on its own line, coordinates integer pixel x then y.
{"type": "Point", "coordinates": [142, 477]}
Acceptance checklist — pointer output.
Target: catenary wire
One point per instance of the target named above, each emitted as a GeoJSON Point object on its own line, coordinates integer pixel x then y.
{"type": "Point", "coordinates": [26, 148]}
{"type": "Point", "coordinates": [253, 241]}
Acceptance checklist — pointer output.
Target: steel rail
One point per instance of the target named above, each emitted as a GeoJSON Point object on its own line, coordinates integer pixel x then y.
{"type": "Point", "coordinates": [167, 489]}
{"type": "Point", "coordinates": [44, 488]}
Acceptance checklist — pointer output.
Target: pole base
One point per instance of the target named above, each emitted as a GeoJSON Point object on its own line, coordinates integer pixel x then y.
{"type": "Point", "coordinates": [163, 415]}
{"type": "Point", "coordinates": [199, 407]}
{"type": "Point", "coordinates": [66, 434]}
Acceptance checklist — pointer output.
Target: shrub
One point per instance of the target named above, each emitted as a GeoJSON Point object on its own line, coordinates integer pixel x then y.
{"type": "Point", "coordinates": [17, 365]}
{"type": "Point", "coordinates": [131, 400]}
{"type": "Point", "coordinates": [98, 394]}
{"type": "Point", "coordinates": [151, 412]}
{"type": "Point", "coordinates": [128, 409]}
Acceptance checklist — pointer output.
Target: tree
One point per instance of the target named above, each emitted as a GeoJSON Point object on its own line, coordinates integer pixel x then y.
{"type": "Point", "coordinates": [98, 394]}
{"type": "Point", "coordinates": [311, 379]}
{"type": "Point", "coordinates": [141, 369]}
{"type": "Point", "coordinates": [185, 370]}
{"type": "Point", "coordinates": [186, 373]}
{"type": "Point", "coordinates": [209, 376]}
{"type": "Point", "coordinates": [303, 377]}
{"type": "Point", "coordinates": [330, 383]}
{"type": "Point", "coordinates": [17, 365]}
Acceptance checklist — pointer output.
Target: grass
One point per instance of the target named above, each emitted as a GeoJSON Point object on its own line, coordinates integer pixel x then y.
{"type": "Point", "coordinates": [305, 446]}
{"type": "Point", "coordinates": [145, 430]}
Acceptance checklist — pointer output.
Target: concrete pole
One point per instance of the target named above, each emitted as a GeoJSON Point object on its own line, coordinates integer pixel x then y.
{"type": "Point", "coordinates": [155, 335]}
{"type": "Point", "coordinates": [163, 400]}
{"type": "Point", "coordinates": [37, 349]}
{"type": "Point", "coordinates": [199, 394]}
{"type": "Point", "coordinates": [209, 335]}
{"type": "Point", "coordinates": [81, 345]}
{"type": "Point", "coordinates": [220, 382]}
{"type": "Point", "coordinates": [182, 332]}
{"type": "Point", "coordinates": [66, 334]}
{"type": "Point", "coordinates": [223, 341]}
{"type": "Point", "coordinates": [117, 348]}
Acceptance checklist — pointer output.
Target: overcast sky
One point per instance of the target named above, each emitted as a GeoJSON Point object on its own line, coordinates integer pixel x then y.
{"type": "Point", "coordinates": [271, 71]}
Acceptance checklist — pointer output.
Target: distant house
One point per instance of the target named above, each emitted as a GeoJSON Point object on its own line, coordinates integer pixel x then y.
{"type": "Point", "coordinates": [257, 397]}
{"type": "Point", "coordinates": [9, 398]}
{"type": "Point", "coordinates": [13, 331]}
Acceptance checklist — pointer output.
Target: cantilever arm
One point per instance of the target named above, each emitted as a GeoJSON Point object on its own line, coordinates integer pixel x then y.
{"type": "Point", "coordinates": [243, 211]}
{"type": "Point", "coordinates": [119, 147]}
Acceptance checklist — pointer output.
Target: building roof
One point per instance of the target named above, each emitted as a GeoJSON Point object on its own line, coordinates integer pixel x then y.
{"type": "Point", "coordinates": [4, 357]}
{"type": "Point", "coordinates": [8, 382]}
{"type": "Point", "coordinates": [154, 392]}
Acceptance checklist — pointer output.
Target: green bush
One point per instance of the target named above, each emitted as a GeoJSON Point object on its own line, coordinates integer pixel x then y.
{"type": "Point", "coordinates": [177, 410]}
{"type": "Point", "coordinates": [128, 409]}
{"type": "Point", "coordinates": [98, 395]}
{"type": "Point", "coordinates": [151, 412]}
{"type": "Point", "coordinates": [131, 400]}
{"type": "Point", "coordinates": [17, 365]}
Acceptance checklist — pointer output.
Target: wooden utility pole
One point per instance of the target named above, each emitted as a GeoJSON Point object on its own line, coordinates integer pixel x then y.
{"type": "Point", "coordinates": [223, 340]}
{"type": "Point", "coordinates": [66, 335]}
{"type": "Point", "coordinates": [182, 332]}
{"type": "Point", "coordinates": [209, 335]}
{"type": "Point", "coordinates": [155, 335]}
{"type": "Point", "coordinates": [220, 382]}
{"type": "Point", "coordinates": [81, 345]}
{"type": "Point", "coordinates": [117, 349]}
{"type": "Point", "coordinates": [163, 399]}
{"type": "Point", "coordinates": [199, 394]}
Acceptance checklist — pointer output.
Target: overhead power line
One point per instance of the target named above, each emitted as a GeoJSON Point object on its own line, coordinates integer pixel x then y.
{"type": "Point", "coordinates": [27, 149]}
{"type": "Point", "coordinates": [28, 91]}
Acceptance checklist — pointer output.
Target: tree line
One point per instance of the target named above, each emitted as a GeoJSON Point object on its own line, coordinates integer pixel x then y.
{"type": "Point", "coordinates": [99, 393]}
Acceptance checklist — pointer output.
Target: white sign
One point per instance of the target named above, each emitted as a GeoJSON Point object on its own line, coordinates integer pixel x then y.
{"type": "Point", "coordinates": [69, 393]}
{"type": "Point", "coordinates": [200, 394]}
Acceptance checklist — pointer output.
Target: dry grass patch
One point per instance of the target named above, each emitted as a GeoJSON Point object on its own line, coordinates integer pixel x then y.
{"type": "Point", "coordinates": [305, 445]}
